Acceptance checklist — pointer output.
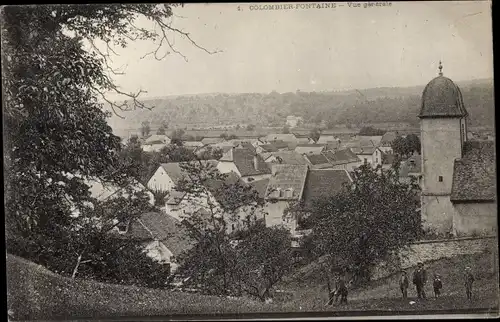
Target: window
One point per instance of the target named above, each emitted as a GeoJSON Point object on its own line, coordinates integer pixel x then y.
{"type": "Point", "coordinates": [232, 226]}
{"type": "Point", "coordinates": [376, 160]}
{"type": "Point", "coordinates": [440, 178]}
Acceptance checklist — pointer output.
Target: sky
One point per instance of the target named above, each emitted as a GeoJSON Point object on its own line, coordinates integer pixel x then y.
{"type": "Point", "coordinates": [313, 49]}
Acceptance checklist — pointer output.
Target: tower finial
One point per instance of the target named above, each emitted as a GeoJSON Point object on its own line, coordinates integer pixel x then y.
{"type": "Point", "coordinates": [440, 69]}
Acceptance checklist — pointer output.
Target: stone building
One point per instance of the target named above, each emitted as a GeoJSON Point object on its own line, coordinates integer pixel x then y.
{"type": "Point", "coordinates": [458, 188]}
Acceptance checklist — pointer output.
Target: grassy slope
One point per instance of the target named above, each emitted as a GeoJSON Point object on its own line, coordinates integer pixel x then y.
{"type": "Point", "coordinates": [384, 294]}
{"type": "Point", "coordinates": [36, 293]}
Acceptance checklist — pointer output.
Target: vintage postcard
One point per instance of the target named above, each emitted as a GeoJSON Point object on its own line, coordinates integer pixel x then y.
{"type": "Point", "coordinates": [284, 160]}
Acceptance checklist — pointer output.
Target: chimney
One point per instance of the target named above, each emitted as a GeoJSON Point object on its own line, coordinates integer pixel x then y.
{"type": "Point", "coordinates": [255, 162]}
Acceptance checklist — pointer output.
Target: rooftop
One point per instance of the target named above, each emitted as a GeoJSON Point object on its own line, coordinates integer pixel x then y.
{"type": "Point", "coordinates": [323, 184]}
{"type": "Point", "coordinates": [287, 182]}
{"type": "Point", "coordinates": [474, 175]}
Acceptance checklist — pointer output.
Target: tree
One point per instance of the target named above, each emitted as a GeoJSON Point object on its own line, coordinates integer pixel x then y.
{"type": "Point", "coordinates": [56, 70]}
{"type": "Point", "coordinates": [413, 143]}
{"type": "Point", "coordinates": [264, 257]}
{"type": "Point", "coordinates": [223, 136]}
{"type": "Point", "coordinates": [161, 130]}
{"type": "Point", "coordinates": [176, 137]}
{"type": "Point", "coordinates": [232, 137]}
{"type": "Point", "coordinates": [401, 147]}
{"type": "Point", "coordinates": [315, 134]}
{"type": "Point", "coordinates": [250, 127]}
{"type": "Point", "coordinates": [366, 221]}
{"type": "Point", "coordinates": [370, 131]}
{"type": "Point", "coordinates": [145, 129]}
{"type": "Point", "coordinates": [285, 130]}
{"type": "Point", "coordinates": [215, 203]}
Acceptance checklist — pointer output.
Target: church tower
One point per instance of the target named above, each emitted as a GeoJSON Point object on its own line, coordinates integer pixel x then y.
{"type": "Point", "coordinates": [443, 131]}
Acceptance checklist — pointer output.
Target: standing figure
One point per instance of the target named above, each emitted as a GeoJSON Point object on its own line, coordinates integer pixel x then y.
{"type": "Point", "coordinates": [419, 279]}
{"type": "Point", "coordinates": [403, 284]}
{"type": "Point", "coordinates": [469, 279]}
{"type": "Point", "coordinates": [437, 285]}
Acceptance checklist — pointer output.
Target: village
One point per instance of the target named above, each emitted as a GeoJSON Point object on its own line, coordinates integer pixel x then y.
{"type": "Point", "coordinates": [181, 160]}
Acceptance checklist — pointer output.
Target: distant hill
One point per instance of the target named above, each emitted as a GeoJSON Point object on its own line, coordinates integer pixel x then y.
{"type": "Point", "coordinates": [352, 107]}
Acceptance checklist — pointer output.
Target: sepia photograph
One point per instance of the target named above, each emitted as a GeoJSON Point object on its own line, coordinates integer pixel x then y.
{"type": "Point", "coordinates": [221, 161]}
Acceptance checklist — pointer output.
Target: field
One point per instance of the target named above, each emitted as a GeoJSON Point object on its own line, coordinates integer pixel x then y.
{"type": "Point", "coordinates": [36, 293]}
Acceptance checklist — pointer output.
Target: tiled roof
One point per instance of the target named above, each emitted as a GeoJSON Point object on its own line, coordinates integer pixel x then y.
{"type": "Point", "coordinates": [175, 197]}
{"type": "Point", "coordinates": [323, 184]}
{"type": "Point", "coordinates": [269, 147]}
{"type": "Point", "coordinates": [367, 150]}
{"type": "Point", "coordinates": [157, 138]}
{"type": "Point", "coordinates": [326, 138]}
{"type": "Point", "coordinates": [281, 137]}
{"type": "Point", "coordinates": [285, 157]}
{"type": "Point", "coordinates": [279, 144]}
{"type": "Point", "coordinates": [387, 138]}
{"type": "Point", "coordinates": [413, 165]}
{"type": "Point", "coordinates": [287, 178]}
{"type": "Point", "coordinates": [162, 227]}
{"type": "Point", "coordinates": [260, 186]}
{"type": "Point", "coordinates": [206, 141]}
{"type": "Point", "coordinates": [341, 157]}
{"type": "Point", "coordinates": [309, 148]}
{"type": "Point", "coordinates": [333, 145]}
{"type": "Point", "coordinates": [442, 98]}
{"type": "Point", "coordinates": [316, 159]}
{"type": "Point", "coordinates": [474, 175]}
{"type": "Point", "coordinates": [244, 161]}
{"type": "Point", "coordinates": [175, 171]}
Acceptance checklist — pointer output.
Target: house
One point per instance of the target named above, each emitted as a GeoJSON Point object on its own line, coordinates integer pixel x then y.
{"type": "Point", "coordinates": [163, 237]}
{"type": "Point", "coordinates": [293, 121]}
{"type": "Point", "coordinates": [365, 154]}
{"type": "Point", "coordinates": [288, 138]}
{"type": "Point", "coordinates": [343, 159]}
{"type": "Point", "coordinates": [386, 141]}
{"type": "Point", "coordinates": [378, 156]}
{"type": "Point", "coordinates": [103, 191]}
{"type": "Point", "coordinates": [182, 205]}
{"type": "Point", "coordinates": [332, 145]}
{"type": "Point", "coordinates": [211, 141]}
{"type": "Point", "coordinates": [286, 186]}
{"type": "Point", "coordinates": [193, 145]}
{"type": "Point", "coordinates": [459, 177]}
{"type": "Point", "coordinates": [324, 139]}
{"type": "Point", "coordinates": [284, 157]}
{"type": "Point", "coordinates": [168, 175]}
{"type": "Point", "coordinates": [245, 162]}
{"type": "Point", "coordinates": [412, 167]}
{"type": "Point", "coordinates": [310, 148]}
{"type": "Point", "coordinates": [317, 161]}
{"type": "Point", "coordinates": [157, 138]}
{"type": "Point", "coordinates": [321, 184]}
{"type": "Point", "coordinates": [374, 140]}
{"type": "Point", "coordinates": [273, 146]}
{"type": "Point", "coordinates": [304, 139]}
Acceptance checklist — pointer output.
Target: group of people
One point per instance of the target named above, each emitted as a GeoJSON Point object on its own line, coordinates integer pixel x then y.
{"type": "Point", "coordinates": [420, 280]}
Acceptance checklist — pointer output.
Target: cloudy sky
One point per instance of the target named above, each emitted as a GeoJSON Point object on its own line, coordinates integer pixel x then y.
{"type": "Point", "coordinates": [315, 49]}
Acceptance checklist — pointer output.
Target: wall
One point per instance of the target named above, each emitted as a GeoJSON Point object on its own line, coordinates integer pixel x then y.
{"type": "Point", "coordinates": [441, 145]}
{"type": "Point", "coordinates": [475, 218]}
{"type": "Point", "coordinates": [256, 177]}
{"type": "Point", "coordinates": [437, 213]}
{"type": "Point", "coordinates": [160, 181]}
{"type": "Point", "coordinates": [431, 250]}
{"type": "Point", "coordinates": [274, 216]}
{"type": "Point", "coordinates": [226, 167]}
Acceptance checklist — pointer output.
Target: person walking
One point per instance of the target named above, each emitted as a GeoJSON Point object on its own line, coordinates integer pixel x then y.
{"type": "Point", "coordinates": [419, 279]}
{"type": "Point", "coordinates": [469, 280]}
{"type": "Point", "coordinates": [342, 291]}
{"type": "Point", "coordinates": [437, 285]}
{"type": "Point", "coordinates": [403, 284]}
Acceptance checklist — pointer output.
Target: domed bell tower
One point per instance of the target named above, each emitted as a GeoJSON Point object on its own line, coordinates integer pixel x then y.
{"type": "Point", "coordinates": [443, 131]}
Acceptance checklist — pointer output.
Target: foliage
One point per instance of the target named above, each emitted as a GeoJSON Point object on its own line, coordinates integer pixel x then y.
{"type": "Point", "coordinates": [145, 129]}
{"type": "Point", "coordinates": [176, 137]}
{"type": "Point", "coordinates": [405, 146]}
{"type": "Point", "coordinates": [264, 256]}
{"type": "Point", "coordinates": [250, 127]}
{"type": "Point", "coordinates": [370, 131]}
{"type": "Point", "coordinates": [55, 74]}
{"type": "Point", "coordinates": [315, 134]}
{"type": "Point", "coordinates": [365, 222]}
{"type": "Point", "coordinates": [286, 129]}
{"type": "Point", "coordinates": [214, 264]}
{"type": "Point", "coordinates": [161, 130]}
